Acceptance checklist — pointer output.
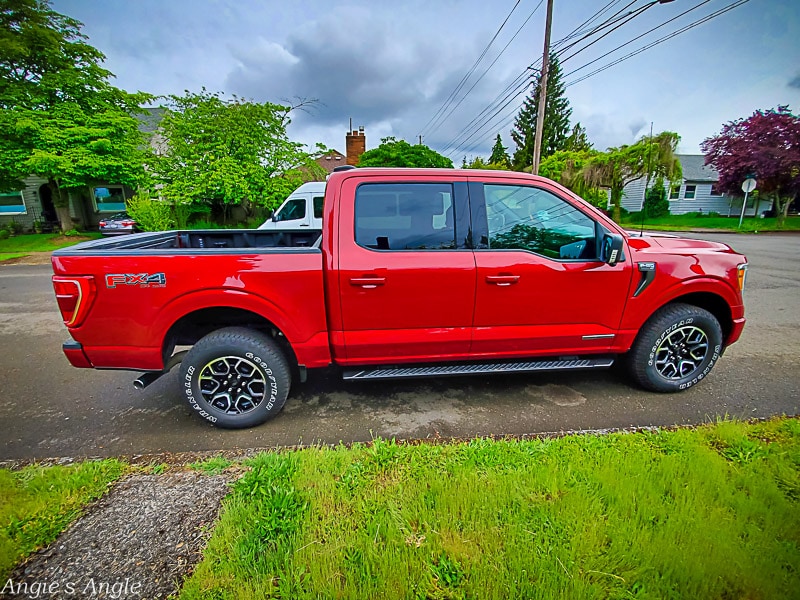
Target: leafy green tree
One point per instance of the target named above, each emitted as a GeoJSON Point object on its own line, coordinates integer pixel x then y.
{"type": "Point", "coordinates": [578, 141]}
{"type": "Point", "coordinates": [61, 118]}
{"type": "Point", "coordinates": [222, 152]}
{"type": "Point", "coordinates": [556, 119]}
{"type": "Point", "coordinates": [479, 163]}
{"type": "Point", "coordinates": [499, 154]}
{"type": "Point", "coordinates": [651, 157]}
{"type": "Point", "coordinates": [566, 167]}
{"type": "Point", "coordinates": [399, 153]}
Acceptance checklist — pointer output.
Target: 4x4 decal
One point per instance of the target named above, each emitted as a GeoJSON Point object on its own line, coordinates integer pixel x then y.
{"type": "Point", "coordinates": [140, 279]}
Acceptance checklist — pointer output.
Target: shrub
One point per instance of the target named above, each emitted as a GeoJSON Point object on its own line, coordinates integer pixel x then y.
{"type": "Point", "coordinates": [151, 214]}
{"type": "Point", "coordinates": [4, 233]}
{"type": "Point", "coordinates": [655, 202]}
{"type": "Point", "coordinates": [14, 228]}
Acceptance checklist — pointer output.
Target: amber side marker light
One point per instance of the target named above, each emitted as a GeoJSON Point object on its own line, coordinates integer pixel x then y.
{"type": "Point", "coordinates": [742, 274]}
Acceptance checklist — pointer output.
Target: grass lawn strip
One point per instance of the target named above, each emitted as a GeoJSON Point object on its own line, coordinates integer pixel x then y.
{"type": "Point", "coordinates": [691, 221]}
{"type": "Point", "coordinates": [11, 255]}
{"type": "Point", "coordinates": [37, 503]}
{"type": "Point", "coordinates": [43, 242]}
{"type": "Point", "coordinates": [705, 513]}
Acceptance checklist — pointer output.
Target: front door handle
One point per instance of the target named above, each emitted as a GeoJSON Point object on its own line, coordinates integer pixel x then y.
{"type": "Point", "coordinates": [502, 280]}
{"type": "Point", "coordinates": [367, 282]}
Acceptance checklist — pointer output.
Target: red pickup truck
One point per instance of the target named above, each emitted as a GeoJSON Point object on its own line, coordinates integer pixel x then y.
{"type": "Point", "coordinates": [417, 272]}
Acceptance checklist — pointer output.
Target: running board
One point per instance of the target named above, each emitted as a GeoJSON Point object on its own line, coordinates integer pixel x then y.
{"type": "Point", "coordinates": [383, 372]}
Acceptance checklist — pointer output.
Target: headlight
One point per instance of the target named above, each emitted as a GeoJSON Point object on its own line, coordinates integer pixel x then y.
{"type": "Point", "coordinates": [742, 274]}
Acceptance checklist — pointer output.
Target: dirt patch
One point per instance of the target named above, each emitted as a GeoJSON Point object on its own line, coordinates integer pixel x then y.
{"type": "Point", "coordinates": [31, 258]}
{"type": "Point", "coordinates": [139, 541]}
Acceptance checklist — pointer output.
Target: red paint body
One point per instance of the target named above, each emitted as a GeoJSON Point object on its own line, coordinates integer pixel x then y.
{"type": "Point", "coordinates": [349, 305]}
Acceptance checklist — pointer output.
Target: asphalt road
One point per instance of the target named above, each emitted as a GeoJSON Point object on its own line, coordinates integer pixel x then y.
{"type": "Point", "coordinates": [50, 409]}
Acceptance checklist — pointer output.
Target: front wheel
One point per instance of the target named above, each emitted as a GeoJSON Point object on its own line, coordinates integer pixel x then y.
{"type": "Point", "coordinates": [235, 378]}
{"type": "Point", "coordinates": [676, 348]}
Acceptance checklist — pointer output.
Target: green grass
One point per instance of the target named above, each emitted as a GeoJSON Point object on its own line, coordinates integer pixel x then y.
{"type": "Point", "coordinates": [10, 255]}
{"type": "Point", "coordinates": [694, 221]}
{"type": "Point", "coordinates": [706, 513]}
{"type": "Point", "coordinates": [37, 503]}
{"type": "Point", "coordinates": [211, 466]}
{"type": "Point", "coordinates": [43, 242]}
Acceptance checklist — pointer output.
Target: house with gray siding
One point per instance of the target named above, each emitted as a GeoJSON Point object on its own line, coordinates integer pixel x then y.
{"type": "Point", "coordinates": [696, 192]}
{"type": "Point", "coordinates": [87, 206]}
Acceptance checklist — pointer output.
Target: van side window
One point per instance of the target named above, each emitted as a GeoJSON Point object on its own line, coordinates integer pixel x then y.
{"type": "Point", "coordinates": [405, 216]}
{"type": "Point", "coordinates": [292, 210]}
{"type": "Point", "coordinates": [318, 201]}
{"type": "Point", "coordinates": [530, 218]}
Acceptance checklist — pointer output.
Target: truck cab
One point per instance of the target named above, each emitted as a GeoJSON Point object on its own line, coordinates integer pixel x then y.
{"type": "Point", "coordinates": [303, 208]}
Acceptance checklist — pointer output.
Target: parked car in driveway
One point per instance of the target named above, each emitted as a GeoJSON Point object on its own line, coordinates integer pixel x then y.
{"type": "Point", "coordinates": [303, 208]}
{"type": "Point", "coordinates": [118, 224]}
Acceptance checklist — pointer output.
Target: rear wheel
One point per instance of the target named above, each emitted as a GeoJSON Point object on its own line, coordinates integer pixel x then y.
{"type": "Point", "coordinates": [235, 377]}
{"type": "Point", "coordinates": [676, 348]}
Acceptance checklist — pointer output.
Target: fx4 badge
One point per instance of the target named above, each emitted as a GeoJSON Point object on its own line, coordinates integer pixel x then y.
{"type": "Point", "coordinates": [140, 279]}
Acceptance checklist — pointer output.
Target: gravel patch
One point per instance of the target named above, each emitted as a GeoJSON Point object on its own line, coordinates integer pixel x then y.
{"type": "Point", "coordinates": [139, 541]}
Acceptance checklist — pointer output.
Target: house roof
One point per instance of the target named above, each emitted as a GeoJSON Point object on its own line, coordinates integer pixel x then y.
{"type": "Point", "coordinates": [330, 160]}
{"type": "Point", "coordinates": [694, 168]}
{"type": "Point", "coordinates": [149, 119]}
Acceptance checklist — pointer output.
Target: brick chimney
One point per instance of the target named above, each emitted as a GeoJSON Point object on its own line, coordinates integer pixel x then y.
{"type": "Point", "coordinates": [356, 143]}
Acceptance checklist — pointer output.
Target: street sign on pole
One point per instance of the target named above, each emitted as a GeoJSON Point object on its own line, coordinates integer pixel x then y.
{"type": "Point", "coordinates": [748, 185]}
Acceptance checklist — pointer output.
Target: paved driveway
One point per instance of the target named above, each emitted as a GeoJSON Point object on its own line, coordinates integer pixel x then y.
{"type": "Point", "coordinates": [50, 409]}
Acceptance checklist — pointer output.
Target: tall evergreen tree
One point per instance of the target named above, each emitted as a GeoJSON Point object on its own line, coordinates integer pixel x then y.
{"type": "Point", "coordinates": [556, 119]}
{"type": "Point", "coordinates": [499, 154]}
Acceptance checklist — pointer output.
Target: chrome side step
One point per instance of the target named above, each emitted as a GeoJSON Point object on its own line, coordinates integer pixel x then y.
{"type": "Point", "coordinates": [559, 364]}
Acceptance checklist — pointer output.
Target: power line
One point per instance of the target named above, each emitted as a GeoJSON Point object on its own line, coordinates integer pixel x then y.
{"type": "Point", "coordinates": [464, 79]}
{"type": "Point", "coordinates": [441, 121]}
{"type": "Point", "coordinates": [474, 127]}
{"type": "Point", "coordinates": [675, 33]}
{"type": "Point", "coordinates": [649, 31]}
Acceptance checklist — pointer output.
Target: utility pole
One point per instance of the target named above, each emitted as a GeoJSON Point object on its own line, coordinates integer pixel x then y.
{"type": "Point", "coordinates": [537, 140]}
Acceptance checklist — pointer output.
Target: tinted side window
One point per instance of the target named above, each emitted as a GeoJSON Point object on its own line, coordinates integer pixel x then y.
{"type": "Point", "coordinates": [405, 216]}
{"type": "Point", "coordinates": [529, 218]}
{"type": "Point", "coordinates": [293, 210]}
{"type": "Point", "coordinates": [317, 201]}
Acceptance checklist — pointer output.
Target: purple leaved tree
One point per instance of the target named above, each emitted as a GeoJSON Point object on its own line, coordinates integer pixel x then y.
{"type": "Point", "coordinates": [766, 145]}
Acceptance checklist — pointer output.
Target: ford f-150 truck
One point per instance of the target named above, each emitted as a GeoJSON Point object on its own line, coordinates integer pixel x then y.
{"type": "Point", "coordinates": [417, 272]}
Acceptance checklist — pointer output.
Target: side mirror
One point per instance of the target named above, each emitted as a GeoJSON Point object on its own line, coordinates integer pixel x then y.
{"type": "Point", "coordinates": [274, 217]}
{"type": "Point", "coordinates": [612, 248]}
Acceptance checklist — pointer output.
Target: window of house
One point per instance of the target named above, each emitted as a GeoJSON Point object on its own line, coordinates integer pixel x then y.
{"type": "Point", "coordinates": [318, 202]}
{"type": "Point", "coordinates": [109, 199]}
{"type": "Point", "coordinates": [292, 210]}
{"type": "Point", "coordinates": [12, 203]}
{"type": "Point", "coordinates": [715, 191]}
{"type": "Point", "coordinates": [674, 192]}
{"type": "Point", "coordinates": [690, 192]}
{"type": "Point", "coordinates": [405, 216]}
{"type": "Point", "coordinates": [529, 218]}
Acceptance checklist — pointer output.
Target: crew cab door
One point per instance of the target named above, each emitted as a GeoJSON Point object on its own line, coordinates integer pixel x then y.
{"type": "Point", "coordinates": [407, 286]}
{"type": "Point", "coordinates": [541, 287]}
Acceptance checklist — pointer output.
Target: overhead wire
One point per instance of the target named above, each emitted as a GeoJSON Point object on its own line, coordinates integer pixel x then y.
{"type": "Point", "coordinates": [467, 93]}
{"type": "Point", "coordinates": [504, 98]}
{"type": "Point", "coordinates": [665, 38]}
{"type": "Point", "coordinates": [469, 132]}
{"type": "Point", "coordinates": [464, 79]}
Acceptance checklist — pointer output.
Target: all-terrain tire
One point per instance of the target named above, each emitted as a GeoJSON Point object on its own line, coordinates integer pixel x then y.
{"type": "Point", "coordinates": [675, 349]}
{"type": "Point", "coordinates": [235, 378]}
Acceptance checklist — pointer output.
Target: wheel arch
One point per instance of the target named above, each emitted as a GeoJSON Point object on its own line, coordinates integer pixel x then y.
{"type": "Point", "coordinates": [193, 326]}
{"type": "Point", "coordinates": [713, 303]}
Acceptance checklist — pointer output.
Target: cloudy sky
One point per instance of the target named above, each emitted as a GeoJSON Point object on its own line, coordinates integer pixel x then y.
{"type": "Point", "coordinates": [391, 66]}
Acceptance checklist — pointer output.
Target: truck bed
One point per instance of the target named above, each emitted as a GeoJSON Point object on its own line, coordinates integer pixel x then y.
{"type": "Point", "coordinates": [168, 242]}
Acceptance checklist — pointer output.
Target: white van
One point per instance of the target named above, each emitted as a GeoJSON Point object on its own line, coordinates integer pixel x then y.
{"type": "Point", "coordinates": [303, 208]}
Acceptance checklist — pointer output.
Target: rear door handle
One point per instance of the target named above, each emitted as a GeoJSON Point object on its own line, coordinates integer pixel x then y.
{"type": "Point", "coordinates": [502, 279]}
{"type": "Point", "coordinates": [367, 282]}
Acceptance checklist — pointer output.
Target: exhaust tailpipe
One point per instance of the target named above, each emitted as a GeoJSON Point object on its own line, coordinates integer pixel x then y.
{"type": "Point", "coordinates": [149, 377]}
{"type": "Point", "coordinates": [146, 379]}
